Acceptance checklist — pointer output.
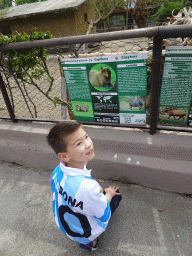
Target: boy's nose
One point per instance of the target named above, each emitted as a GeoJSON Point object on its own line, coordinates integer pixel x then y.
{"type": "Point", "coordinates": [88, 143]}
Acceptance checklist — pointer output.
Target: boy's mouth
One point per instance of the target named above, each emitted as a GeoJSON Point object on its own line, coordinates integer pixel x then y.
{"type": "Point", "coordinates": [90, 152]}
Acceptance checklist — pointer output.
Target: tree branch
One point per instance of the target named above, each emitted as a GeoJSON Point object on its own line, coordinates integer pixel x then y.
{"type": "Point", "coordinates": [51, 78]}
{"type": "Point", "coordinates": [61, 102]}
{"type": "Point", "coordinates": [9, 88]}
{"type": "Point", "coordinates": [35, 109]}
{"type": "Point", "coordinates": [17, 82]}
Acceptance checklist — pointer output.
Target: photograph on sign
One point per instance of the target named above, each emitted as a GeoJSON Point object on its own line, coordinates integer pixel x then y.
{"type": "Point", "coordinates": [102, 77]}
{"type": "Point", "coordinates": [134, 103]}
{"type": "Point", "coordinates": [82, 108]}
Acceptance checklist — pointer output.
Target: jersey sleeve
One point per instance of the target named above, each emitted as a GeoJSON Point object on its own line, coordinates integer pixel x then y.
{"type": "Point", "coordinates": [94, 201]}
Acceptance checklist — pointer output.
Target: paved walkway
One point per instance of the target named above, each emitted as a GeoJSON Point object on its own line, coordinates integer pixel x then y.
{"type": "Point", "coordinates": [147, 223]}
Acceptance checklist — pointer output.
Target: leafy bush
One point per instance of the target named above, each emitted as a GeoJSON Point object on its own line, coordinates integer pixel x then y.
{"type": "Point", "coordinates": [167, 8]}
{"type": "Point", "coordinates": [20, 62]}
{"type": "Point", "coordinates": [27, 67]}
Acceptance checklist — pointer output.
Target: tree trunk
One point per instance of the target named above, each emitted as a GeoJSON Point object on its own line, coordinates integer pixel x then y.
{"type": "Point", "coordinates": [140, 13]}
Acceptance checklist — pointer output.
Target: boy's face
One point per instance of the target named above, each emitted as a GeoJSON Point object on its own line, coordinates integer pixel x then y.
{"type": "Point", "coordinates": [79, 149]}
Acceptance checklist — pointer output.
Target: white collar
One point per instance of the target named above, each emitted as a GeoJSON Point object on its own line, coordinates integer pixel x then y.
{"type": "Point", "coordinates": [74, 171]}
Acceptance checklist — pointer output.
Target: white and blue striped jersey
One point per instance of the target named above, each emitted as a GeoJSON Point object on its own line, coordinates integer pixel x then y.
{"type": "Point", "coordinates": [80, 209]}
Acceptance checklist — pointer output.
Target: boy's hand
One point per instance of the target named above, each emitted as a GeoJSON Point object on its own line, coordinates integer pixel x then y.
{"type": "Point", "coordinates": [111, 192]}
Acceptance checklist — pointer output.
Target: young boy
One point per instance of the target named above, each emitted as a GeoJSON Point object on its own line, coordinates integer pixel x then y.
{"type": "Point", "coordinates": [80, 208]}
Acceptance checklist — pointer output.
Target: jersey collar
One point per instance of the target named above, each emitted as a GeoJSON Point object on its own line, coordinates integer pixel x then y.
{"type": "Point", "coordinates": [74, 171]}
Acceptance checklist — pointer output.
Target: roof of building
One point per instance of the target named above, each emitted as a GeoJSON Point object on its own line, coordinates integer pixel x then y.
{"type": "Point", "coordinates": [41, 7]}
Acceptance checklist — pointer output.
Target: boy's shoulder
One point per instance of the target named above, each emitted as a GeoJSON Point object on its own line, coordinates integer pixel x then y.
{"type": "Point", "coordinates": [86, 183]}
{"type": "Point", "coordinates": [56, 171]}
{"type": "Point", "coordinates": [81, 177]}
{"type": "Point", "coordinates": [57, 174]}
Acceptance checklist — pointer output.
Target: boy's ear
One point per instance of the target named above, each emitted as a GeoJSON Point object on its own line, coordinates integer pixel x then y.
{"type": "Point", "coordinates": [63, 157]}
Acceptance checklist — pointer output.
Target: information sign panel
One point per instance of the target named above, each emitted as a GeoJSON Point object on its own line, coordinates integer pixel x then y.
{"type": "Point", "coordinates": [108, 89]}
{"type": "Point", "coordinates": [176, 88]}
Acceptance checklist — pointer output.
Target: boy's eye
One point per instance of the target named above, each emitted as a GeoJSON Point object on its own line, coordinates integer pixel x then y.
{"type": "Point", "coordinates": [78, 143]}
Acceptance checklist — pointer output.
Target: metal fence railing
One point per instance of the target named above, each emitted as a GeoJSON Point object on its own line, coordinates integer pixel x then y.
{"type": "Point", "coordinates": [29, 102]}
{"type": "Point", "coordinates": [101, 27]}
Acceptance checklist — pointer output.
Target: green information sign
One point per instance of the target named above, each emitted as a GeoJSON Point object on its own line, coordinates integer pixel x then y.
{"type": "Point", "coordinates": [108, 89]}
{"type": "Point", "coordinates": [176, 88]}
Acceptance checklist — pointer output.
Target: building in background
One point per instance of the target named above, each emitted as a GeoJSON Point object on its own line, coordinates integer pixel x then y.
{"type": "Point", "coordinates": [117, 21]}
{"type": "Point", "coordinates": [60, 17]}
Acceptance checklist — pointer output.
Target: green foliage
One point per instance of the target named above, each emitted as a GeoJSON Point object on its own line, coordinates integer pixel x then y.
{"type": "Point", "coordinates": [155, 10]}
{"type": "Point", "coordinates": [25, 63]}
{"type": "Point", "coordinates": [5, 3]}
{"type": "Point", "coordinates": [27, 67]}
{"type": "Point", "coordinates": [20, 2]}
{"type": "Point", "coordinates": [167, 8]}
{"type": "Point", "coordinates": [103, 8]}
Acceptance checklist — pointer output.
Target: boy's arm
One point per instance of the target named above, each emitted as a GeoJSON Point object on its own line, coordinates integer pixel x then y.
{"type": "Point", "coordinates": [94, 201]}
{"type": "Point", "coordinates": [111, 192]}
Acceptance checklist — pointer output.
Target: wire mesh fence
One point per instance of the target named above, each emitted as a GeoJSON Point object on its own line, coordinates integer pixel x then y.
{"type": "Point", "coordinates": [37, 101]}
{"type": "Point", "coordinates": [30, 101]}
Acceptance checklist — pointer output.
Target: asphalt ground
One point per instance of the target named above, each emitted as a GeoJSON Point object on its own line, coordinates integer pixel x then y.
{"type": "Point", "coordinates": [148, 222]}
{"type": "Point", "coordinates": [161, 161]}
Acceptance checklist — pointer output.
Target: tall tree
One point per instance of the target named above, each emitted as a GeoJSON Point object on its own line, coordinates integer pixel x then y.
{"type": "Point", "coordinates": [161, 9]}
{"type": "Point", "coordinates": [128, 4]}
{"type": "Point", "coordinates": [167, 8]}
{"type": "Point", "coordinates": [103, 9]}
{"type": "Point", "coordinates": [140, 13]}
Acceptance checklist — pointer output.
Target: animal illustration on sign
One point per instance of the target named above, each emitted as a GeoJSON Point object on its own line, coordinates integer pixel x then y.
{"type": "Point", "coordinates": [135, 103]}
{"type": "Point", "coordinates": [100, 78]}
{"type": "Point", "coordinates": [81, 108]}
{"type": "Point", "coordinates": [174, 113]}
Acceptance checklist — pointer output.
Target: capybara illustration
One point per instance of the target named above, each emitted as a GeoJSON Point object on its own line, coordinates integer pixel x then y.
{"type": "Point", "coordinates": [81, 108]}
{"type": "Point", "coordinates": [100, 78]}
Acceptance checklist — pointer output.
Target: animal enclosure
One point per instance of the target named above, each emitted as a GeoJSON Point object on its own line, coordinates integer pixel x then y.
{"type": "Point", "coordinates": [30, 103]}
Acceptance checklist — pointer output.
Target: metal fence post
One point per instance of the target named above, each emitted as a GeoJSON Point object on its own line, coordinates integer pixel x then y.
{"type": "Point", "coordinates": [63, 92]}
{"type": "Point", "coordinates": [155, 85]}
{"type": "Point", "coordinates": [7, 101]}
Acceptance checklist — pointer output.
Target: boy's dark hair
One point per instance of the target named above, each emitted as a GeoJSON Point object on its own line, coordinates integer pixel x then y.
{"type": "Point", "coordinates": [57, 135]}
